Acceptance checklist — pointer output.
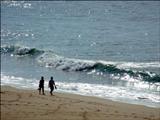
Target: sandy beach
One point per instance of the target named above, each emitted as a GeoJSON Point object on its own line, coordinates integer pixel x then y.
{"type": "Point", "coordinates": [18, 104]}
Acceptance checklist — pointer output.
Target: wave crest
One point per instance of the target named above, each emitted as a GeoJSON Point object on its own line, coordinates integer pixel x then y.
{"type": "Point", "coordinates": [18, 50]}
{"type": "Point", "coordinates": [67, 64]}
{"type": "Point", "coordinates": [50, 59]}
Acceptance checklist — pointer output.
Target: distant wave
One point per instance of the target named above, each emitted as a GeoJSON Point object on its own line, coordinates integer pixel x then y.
{"type": "Point", "coordinates": [20, 4]}
{"type": "Point", "coordinates": [50, 59]}
{"type": "Point", "coordinates": [19, 50]}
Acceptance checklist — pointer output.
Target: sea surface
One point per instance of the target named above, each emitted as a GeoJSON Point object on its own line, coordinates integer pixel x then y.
{"type": "Point", "coordinates": [107, 49]}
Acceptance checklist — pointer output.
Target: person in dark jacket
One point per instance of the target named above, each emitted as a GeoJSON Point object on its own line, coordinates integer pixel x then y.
{"type": "Point", "coordinates": [51, 85]}
{"type": "Point", "coordinates": [41, 86]}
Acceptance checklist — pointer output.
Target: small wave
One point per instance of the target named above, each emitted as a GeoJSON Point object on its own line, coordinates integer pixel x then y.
{"type": "Point", "coordinates": [19, 50]}
{"type": "Point", "coordinates": [18, 81]}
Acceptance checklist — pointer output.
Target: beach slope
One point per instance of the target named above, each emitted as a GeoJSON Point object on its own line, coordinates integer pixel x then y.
{"type": "Point", "coordinates": [18, 104]}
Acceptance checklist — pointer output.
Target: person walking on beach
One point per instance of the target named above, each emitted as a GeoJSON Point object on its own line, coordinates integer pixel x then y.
{"type": "Point", "coordinates": [41, 85]}
{"type": "Point", "coordinates": [51, 85]}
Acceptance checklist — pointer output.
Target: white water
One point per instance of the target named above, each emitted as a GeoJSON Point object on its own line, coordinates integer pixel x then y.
{"type": "Point", "coordinates": [124, 94]}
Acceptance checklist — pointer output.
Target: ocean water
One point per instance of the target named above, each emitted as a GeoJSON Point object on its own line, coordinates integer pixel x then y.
{"type": "Point", "coordinates": [107, 49]}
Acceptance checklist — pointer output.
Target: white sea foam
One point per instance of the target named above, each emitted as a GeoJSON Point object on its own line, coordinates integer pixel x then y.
{"type": "Point", "coordinates": [137, 83]}
{"type": "Point", "coordinates": [118, 70]}
{"type": "Point", "coordinates": [20, 4]}
{"type": "Point", "coordinates": [99, 90]}
{"type": "Point", "coordinates": [52, 60]}
{"type": "Point", "coordinates": [133, 64]}
{"type": "Point", "coordinates": [49, 59]}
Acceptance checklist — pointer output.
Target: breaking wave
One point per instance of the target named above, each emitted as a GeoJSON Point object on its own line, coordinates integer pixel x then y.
{"type": "Point", "coordinates": [116, 69]}
{"type": "Point", "coordinates": [18, 50]}
{"type": "Point", "coordinates": [50, 59]}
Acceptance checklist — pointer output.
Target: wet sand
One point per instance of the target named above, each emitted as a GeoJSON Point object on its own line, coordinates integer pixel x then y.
{"type": "Point", "coordinates": [18, 104]}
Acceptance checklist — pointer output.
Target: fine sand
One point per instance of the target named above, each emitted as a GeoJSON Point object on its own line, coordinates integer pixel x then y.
{"type": "Point", "coordinates": [17, 104]}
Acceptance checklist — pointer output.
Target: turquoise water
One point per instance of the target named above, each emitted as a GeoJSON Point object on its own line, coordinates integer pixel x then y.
{"type": "Point", "coordinates": [107, 49]}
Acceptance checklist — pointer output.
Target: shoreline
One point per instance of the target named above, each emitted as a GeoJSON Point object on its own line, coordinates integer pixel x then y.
{"type": "Point", "coordinates": [28, 104]}
{"type": "Point", "coordinates": [86, 95]}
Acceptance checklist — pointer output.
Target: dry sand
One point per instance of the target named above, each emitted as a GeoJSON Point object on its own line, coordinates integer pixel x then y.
{"type": "Point", "coordinates": [17, 104]}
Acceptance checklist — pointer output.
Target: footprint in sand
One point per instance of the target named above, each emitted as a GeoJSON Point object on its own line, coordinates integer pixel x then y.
{"type": "Point", "coordinates": [135, 117]}
{"type": "Point", "coordinates": [28, 103]}
{"type": "Point", "coordinates": [98, 110]}
{"type": "Point", "coordinates": [85, 115]}
{"type": "Point", "coordinates": [147, 118]}
{"type": "Point", "coordinates": [116, 111]}
{"type": "Point", "coordinates": [30, 95]}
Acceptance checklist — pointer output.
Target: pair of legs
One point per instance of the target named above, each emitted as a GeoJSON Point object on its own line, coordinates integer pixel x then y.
{"type": "Point", "coordinates": [51, 90]}
{"type": "Point", "coordinates": [41, 88]}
